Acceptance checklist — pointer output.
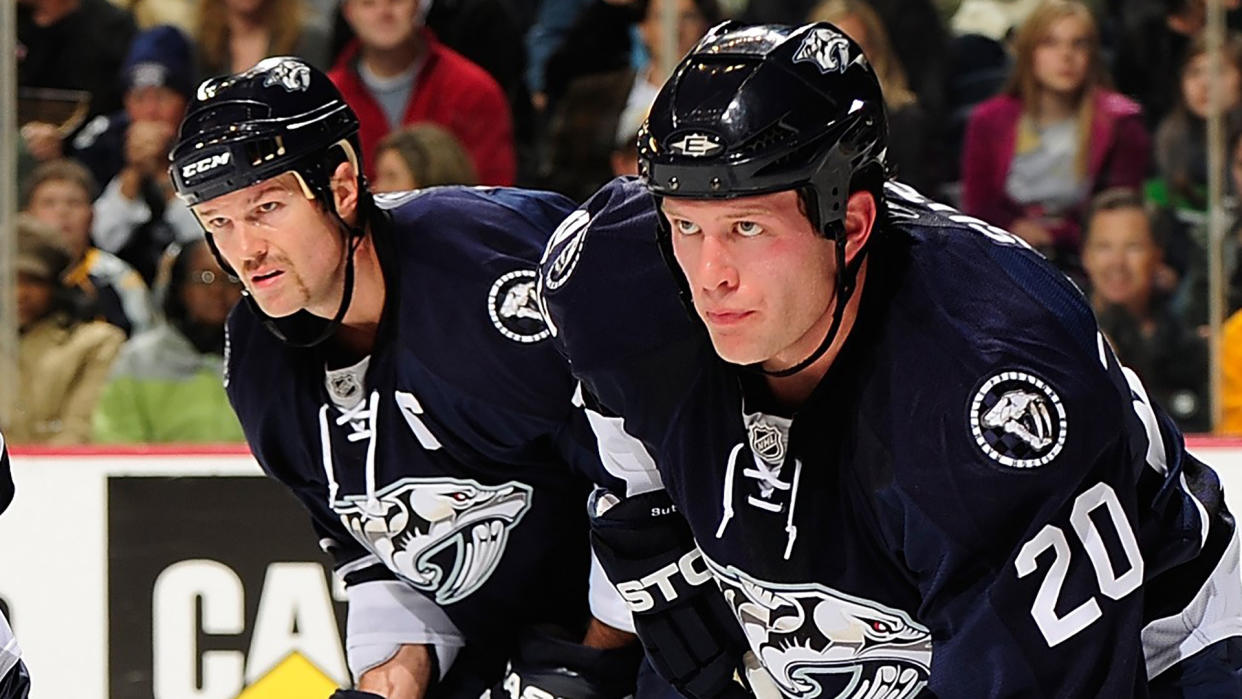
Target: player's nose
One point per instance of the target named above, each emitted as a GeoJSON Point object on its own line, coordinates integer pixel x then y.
{"type": "Point", "coordinates": [715, 269]}
{"type": "Point", "coordinates": [249, 243]}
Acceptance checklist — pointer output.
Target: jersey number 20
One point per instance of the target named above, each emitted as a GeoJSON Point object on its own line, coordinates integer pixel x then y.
{"type": "Point", "coordinates": [1055, 628]}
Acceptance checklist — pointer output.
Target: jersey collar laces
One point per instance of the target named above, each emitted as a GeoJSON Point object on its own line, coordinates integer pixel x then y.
{"type": "Point", "coordinates": [769, 482]}
{"type": "Point", "coordinates": [362, 419]}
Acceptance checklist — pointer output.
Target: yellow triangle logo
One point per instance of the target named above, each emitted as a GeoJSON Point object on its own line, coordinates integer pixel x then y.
{"type": "Point", "coordinates": [295, 677]}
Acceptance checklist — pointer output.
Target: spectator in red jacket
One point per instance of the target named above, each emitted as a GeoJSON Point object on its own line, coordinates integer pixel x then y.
{"type": "Point", "coordinates": [1036, 153]}
{"type": "Point", "coordinates": [398, 73]}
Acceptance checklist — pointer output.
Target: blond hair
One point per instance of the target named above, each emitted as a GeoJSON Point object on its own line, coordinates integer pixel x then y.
{"type": "Point", "coordinates": [884, 61]}
{"type": "Point", "coordinates": [1025, 86]}
{"type": "Point", "coordinates": [283, 19]}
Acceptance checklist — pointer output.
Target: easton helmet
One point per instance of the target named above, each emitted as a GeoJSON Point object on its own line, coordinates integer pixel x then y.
{"type": "Point", "coordinates": [753, 110]}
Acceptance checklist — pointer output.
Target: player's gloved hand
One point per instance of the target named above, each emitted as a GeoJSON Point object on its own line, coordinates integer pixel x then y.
{"type": "Point", "coordinates": [549, 667]}
{"type": "Point", "coordinates": [648, 553]}
{"type": "Point", "coordinates": [353, 694]}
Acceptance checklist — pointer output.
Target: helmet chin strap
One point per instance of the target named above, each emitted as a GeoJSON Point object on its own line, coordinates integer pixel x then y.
{"type": "Point", "coordinates": [847, 279]}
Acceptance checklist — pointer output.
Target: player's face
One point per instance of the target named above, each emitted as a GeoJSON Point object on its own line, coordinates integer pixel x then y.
{"type": "Point", "coordinates": [760, 276]}
{"type": "Point", "coordinates": [1120, 257]}
{"type": "Point", "coordinates": [64, 204]}
{"type": "Point", "coordinates": [1063, 55]}
{"type": "Point", "coordinates": [289, 253]}
{"type": "Point", "coordinates": [391, 173]}
{"type": "Point", "coordinates": [382, 24]}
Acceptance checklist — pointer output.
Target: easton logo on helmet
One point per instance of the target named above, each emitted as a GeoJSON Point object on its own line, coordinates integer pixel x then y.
{"type": "Point", "coordinates": [696, 145]}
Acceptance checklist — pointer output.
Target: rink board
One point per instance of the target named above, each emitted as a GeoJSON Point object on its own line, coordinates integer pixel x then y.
{"type": "Point", "coordinates": [187, 575]}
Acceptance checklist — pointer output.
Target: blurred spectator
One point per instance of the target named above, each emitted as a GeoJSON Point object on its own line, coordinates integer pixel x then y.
{"type": "Point", "coordinates": [1034, 154]}
{"type": "Point", "coordinates": [589, 112]}
{"type": "Point", "coordinates": [59, 193]}
{"type": "Point", "coordinates": [138, 214]}
{"type": "Point", "coordinates": [63, 360]}
{"type": "Point", "coordinates": [157, 78]}
{"type": "Point", "coordinates": [1122, 257]}
{"type": "Point", "coordinates": [1231, 377]}
{"type": "Point", "coordinates": [488, 34]}
{"type": "Point", "coordinates": [552, 26]}
{"type": "Point", "coordinates": [233, 35]}
{"type": "Point", "coordinates": [921, 42]}
{"type": "Point", "coordinates": [398, 73]}
{"type": "Point", "coordinates": [182, 14]}
{"type": "Point", "coordinates": [604, 39]}
{"type": "Point", "coordinates": [1153, 41]}
{"type": "Point", "coordinates": [909, 138]}
{"type": "Point", "coordinates": [421, 155]}
{"type": "Point", "coordinates": [166, 384]}
{"type": "Point", "coordinates": [1181, 140]}
{"type": "Point", "coordinates": [74, 45]}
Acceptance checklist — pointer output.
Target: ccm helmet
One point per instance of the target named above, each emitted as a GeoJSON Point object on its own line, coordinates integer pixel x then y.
{"type": "Point", "coordinates": [282, 115]}
{"type": "Point", "coordinates": [759, 109]}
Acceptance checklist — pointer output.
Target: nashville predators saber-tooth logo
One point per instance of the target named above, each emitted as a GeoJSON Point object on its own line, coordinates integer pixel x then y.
{"type": "Point", "coordinates": [1018, 420]}
{"type": "Point", "coordinates": [444, 536]}
{"type": "Point", "coordinates": [817, 642]}
{"type": "Point", "coordinates": [828, 50]}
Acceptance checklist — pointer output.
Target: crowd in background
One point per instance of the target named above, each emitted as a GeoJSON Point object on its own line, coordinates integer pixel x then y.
{"type": "Point", "coordinates": [1078, 126]}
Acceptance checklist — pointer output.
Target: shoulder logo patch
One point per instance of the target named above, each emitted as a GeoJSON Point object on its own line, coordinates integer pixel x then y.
{"type": "Point", "coordinates": [1018, 420]}
{"type": "Point", "coordinates": [564, 248]}
{"type": "Point", "coordinates": [513, 305]}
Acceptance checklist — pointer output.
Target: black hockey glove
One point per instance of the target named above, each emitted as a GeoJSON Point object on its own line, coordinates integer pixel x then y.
{"type": "Point", "coordinates": [553, 668]}
{"type": "Point", "coordinates": [691, 637]}
{"type": "Point", "coordinates": [353, 694]}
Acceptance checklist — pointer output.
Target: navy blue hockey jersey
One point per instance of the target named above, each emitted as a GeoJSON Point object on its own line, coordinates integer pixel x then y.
{"type": "Point", "coordinates": [459, 465]}
{"type": "Point", "coordinates": [10, 653]}
{"type": "Point", "coordinates": [976, 501]}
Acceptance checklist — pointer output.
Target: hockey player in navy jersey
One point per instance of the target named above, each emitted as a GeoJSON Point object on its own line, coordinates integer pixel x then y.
{"type": "Point", "coordinates": [389, 364]}
{"type": "Point", "coordinates": [14, 680]}
{"type": "Point", "coordinates": [872, 447]}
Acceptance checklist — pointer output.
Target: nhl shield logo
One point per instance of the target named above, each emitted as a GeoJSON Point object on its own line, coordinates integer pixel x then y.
{"type": "Point", "coordinates": [1018, 420]}
{"type": "Point", "coordinates": [768, 443]}
{"type": "Point", "coordinates": [513, 306]}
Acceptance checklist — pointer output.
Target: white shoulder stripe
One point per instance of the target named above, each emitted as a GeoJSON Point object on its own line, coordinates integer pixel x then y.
{"type": "Point", "coordinates": [1214, 614]}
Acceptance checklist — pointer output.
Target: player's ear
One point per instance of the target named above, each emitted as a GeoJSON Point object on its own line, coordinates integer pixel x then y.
{"type": "Point", "coordinates": [344, 186]}
{"type": "Point", "coordinates": [860, 215]}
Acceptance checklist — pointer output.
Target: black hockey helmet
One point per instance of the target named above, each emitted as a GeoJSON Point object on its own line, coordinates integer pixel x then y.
{"type": "Point", "coordinates": [759, 109]}
{"type": "Point", "coordinates": [282, 115]}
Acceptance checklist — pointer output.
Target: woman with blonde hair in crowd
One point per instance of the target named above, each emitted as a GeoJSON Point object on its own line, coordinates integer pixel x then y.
{"type": "Point", "coordinates": [233, 35]}
{"type": "Point", "coordinates": [421, 155]}
{"type": "Point", "coordinates": [909, 135]}
{"type": "Point", "coordinates": [1035, 154]}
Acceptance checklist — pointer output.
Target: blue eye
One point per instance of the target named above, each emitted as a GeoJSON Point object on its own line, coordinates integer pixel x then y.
{"type": "Point", "coordinates": [685, 227]}
{"type": "Point", "coordinates": [748, 229]}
